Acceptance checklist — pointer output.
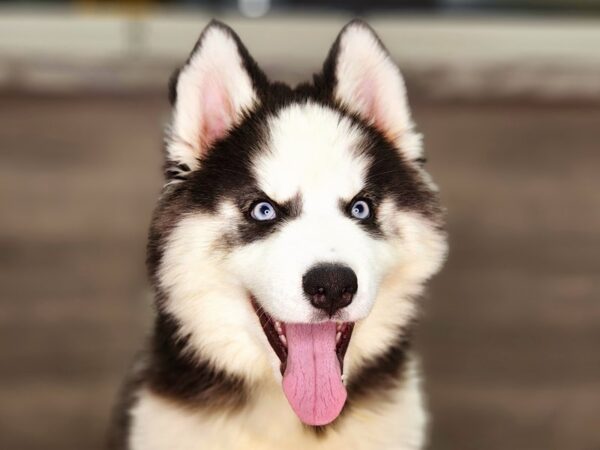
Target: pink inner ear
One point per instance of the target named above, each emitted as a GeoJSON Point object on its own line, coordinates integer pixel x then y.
{"type": "Point", "coordinates": [217, 112]}
{"type": "Point", "coordinates": [367, 97]}
{"type": "Point", "coordinates": [372, 106]}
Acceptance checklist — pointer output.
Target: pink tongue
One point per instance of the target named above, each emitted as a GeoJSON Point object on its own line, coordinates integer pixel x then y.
{"type": "Point", "coordinates": [312, 381]}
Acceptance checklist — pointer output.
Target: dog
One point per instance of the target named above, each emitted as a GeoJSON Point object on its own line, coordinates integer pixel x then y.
{"type": "Point", "coordinates": [287, 253]}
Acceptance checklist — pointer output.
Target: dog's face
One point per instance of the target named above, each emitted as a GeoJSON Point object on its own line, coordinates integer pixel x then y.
{"type": "Point", "coordinates": [297, 225]}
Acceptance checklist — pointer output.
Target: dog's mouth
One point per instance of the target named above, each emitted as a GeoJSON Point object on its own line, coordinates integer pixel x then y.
{"type": "Point", "coordinates": [276, 335]}
{"type": "Point", "coordinates": [312, 359]}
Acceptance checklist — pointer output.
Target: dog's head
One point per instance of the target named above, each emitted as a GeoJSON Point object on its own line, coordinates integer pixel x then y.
{"type": "Point", "coordinates": [297, 224]}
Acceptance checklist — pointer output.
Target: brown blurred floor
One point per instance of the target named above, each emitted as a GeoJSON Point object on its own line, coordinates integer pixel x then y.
{"type": "Point", "coordinates": [511, 332]}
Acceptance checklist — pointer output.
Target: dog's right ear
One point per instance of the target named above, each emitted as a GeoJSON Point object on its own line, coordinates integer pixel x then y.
{"type": "Point", "coordinates": [218, 84]}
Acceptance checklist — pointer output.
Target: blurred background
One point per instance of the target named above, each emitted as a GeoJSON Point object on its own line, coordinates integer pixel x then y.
{"type": "Point", "coordinates": [507, 93]}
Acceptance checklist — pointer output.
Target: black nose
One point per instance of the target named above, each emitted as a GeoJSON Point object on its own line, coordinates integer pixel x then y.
{"type": "Point", "coordinates": [330, 286]}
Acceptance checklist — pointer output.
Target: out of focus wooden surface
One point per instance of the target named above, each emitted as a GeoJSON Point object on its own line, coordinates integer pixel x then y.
{"type": "Point", "coordinates": [510, 335]}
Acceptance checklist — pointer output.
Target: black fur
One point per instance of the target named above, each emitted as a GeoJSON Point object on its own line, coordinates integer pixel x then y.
{"type": "Point", "coordinates": [251, 230]}
{"type": "Point", "coordinates": [121, 419]}
{"type": "Point", "coordinates": [383, 373]}
{"type": "Point", "coordinates": [175, 373]}
{"type": "Point", "coordinates": [391, 176]}
{"type": "Point", "coordinates": [375, 380]}
{"type": "Point", "coordinates": [168, 369]}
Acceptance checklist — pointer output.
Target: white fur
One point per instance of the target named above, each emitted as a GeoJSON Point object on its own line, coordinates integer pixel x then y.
{"type": "Point", "coordinates": [314, 153]}
{"type": "Point", "coordinates": [268, 423]}
{"type": "Point", "coordinates": [371, 85]}
{"type": "Point", "coordinates": [215, 70]}
{"type": "Point", "coordinates": [209, 303]}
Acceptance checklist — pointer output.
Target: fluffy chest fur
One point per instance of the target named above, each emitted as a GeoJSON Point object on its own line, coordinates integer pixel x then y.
{"type": "Point", "coordinates": [267, 423]}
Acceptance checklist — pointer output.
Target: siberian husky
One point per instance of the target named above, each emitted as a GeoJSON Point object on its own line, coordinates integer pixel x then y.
{"type": "Point", "coordinates": [287, 252]}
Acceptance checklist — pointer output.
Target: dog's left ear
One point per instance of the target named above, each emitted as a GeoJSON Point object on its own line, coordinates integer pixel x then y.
{"type": "Point", "coordinates": [364, 80]}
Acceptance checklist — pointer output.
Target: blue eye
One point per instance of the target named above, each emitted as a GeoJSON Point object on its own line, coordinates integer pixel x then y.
{"type": "Point", "coordinates": [263, 211]}
{"type": "Point", "coordinates": [360, 210]}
